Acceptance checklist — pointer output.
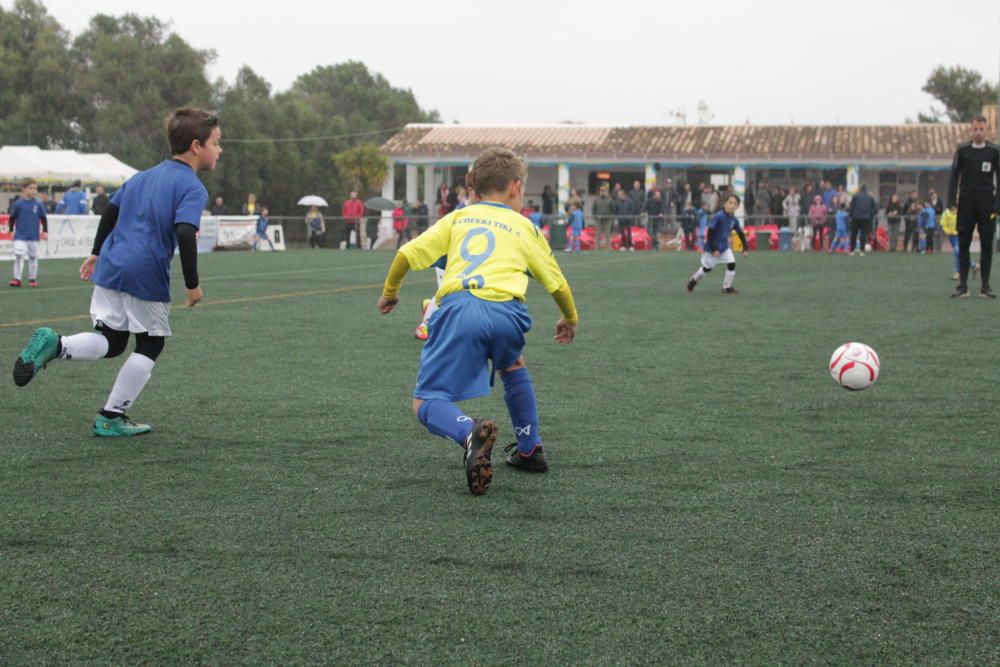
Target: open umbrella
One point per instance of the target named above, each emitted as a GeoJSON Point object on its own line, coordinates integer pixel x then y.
{"type": "Point", "coordinates": [312, 200]}
{"type": "Point", "coordinates": [380, 204]}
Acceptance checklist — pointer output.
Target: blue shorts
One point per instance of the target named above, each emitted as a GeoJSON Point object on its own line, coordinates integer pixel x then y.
{"type": "Point", "coordinates": [465, 334]}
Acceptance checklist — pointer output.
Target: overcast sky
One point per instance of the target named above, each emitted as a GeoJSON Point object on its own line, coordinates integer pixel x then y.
{"type": "Point", "coordinates": [641, 62]}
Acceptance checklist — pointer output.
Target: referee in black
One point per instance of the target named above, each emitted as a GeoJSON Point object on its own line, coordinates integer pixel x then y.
{"type": "Point", "coordinates": [975, 189]}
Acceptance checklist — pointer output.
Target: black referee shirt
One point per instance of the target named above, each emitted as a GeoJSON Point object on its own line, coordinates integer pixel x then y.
{"type": "Point", "coordinates": [974, 173]}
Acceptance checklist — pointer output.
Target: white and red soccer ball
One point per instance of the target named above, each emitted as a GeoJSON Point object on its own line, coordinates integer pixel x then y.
{"type": "Point", "coordinates": [854, 366]}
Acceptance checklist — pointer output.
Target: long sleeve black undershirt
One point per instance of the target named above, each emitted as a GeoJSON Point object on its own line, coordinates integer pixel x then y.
{"type": "Point", "coordinates": [187, 248]}
{"type": "Point", "coordinates": [187, 243]}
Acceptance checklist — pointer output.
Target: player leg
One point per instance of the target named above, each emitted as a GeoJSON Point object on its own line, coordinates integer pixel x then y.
{"type": "Point", "coordinates": [33, 263]}
{"type": "Point", "coordinates": [522, 405]}
{"type": "Point", "coordinates": [986, 235]}
{"type": "Point", "coordinates": [727, 281]}
{"type": "Point", "coordinates": [131, 380]}
{"type": "Point", "coordinates": [20, 250]}
{"type": "Point", "coordinates": [708, 262]}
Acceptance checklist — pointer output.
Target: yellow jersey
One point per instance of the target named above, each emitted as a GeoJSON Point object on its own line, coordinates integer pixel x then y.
{"type": "Point", "coordinates": [491, 251]}
{"type": "Point", "coordinates": [949, 223]}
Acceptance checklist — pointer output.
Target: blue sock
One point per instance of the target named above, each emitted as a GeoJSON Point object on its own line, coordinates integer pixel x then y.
{"type": "Point", "coordinates": [443, 418]}
{"type": "Point", "coordinates": [519, 394]}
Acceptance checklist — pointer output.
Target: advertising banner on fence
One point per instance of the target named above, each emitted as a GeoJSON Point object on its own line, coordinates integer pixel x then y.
{"type": "Point", "coordinates": [73, 236]}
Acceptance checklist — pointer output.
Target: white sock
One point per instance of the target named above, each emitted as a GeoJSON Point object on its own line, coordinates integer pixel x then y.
{"type": "Point", "coordinates": [431, 309]}
{"type": "Point", "coordinates": [699, 274]}
{"type": "Point", "coordinates": [727, 282]}
{"type": "Point", "coordinates": [132, 378]}
{"type": "Point", "coordinates": [33, 269]}
{"type": "Point", "coordinates": [18, 266]}
{"type": "Point", "coordinates": [84, 346]}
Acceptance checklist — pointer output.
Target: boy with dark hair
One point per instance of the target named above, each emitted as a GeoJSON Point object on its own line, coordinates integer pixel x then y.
{"type": "Point", "coordinates": [491, 251]}
{"type": "Point", "coordinates": [27, 221]}
{"type": "Point", "coordinates": [717, 250]}
{"type": "Point", "coordinates": [152, 213]}
{"type": "Point", "coordinates": [261, 235]}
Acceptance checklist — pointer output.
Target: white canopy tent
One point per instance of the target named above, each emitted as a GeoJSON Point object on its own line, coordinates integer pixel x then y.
{"type": "Point", "coordinates": [54, 166]}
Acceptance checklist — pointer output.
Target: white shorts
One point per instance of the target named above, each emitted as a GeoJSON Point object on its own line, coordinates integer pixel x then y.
{"type": "Point", "coordinates": [29, 248]}
{"type": "Point", "coordinates": [124, 312]}
{"type": "Point", "coordinates": [710, 261]}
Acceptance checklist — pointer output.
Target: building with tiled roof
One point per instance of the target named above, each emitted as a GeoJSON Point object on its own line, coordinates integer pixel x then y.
{"type": "Point", "coordinates": [885, 157]}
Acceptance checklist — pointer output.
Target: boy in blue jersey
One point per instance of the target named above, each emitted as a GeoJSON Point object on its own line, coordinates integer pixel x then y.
{"type": "Point", "coordinates": [491, 251]}
{"type": "Point", "coordinates": [575, 228]}
{"type": "Point", "coordinates": [842, 235]}
{"type": "Point", "coordinates": [926, 219]}
{"type": "Point", "coordinates": [27, 222]}
{"type": "Point", "coordinates": [153, 213]}
{"type": "Point", "coordinates": [717, 250]}
{"type": "Point", "coordinates": [261, 235]}
{"type": "Point", "coordinates": [74, 202]}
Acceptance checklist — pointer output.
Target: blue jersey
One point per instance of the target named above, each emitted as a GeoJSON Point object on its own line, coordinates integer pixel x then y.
{"type": "Point", "coordinates": [262, 223]}
{"type": "Point", "coordinates": [576, 221]}
{"type": "Point", "coordinates": [136, 256]}
{"type": "Point", "coordinates": [926, 217]}
{"type": "Point", "coordinates": [719, 229]}
{"type": "Point", "coordinates": [536, 219]}
{"type": "Point", "coordinates": [26, 216]}
{"type": "Point", "coordinates": [74, 202]}
{"type": "Point", "coordinates": [841, 222]}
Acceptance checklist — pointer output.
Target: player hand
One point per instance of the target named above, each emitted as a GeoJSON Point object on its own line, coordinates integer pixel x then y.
{"type": "Point", "coordinates": [87, 268]}
{"type": "Point", "coordinates": [565, 332]}
{"type": "Point", "coordinates": [715, 253]}
{"type": "Point", "coordinates": [386, 304]}
{"type": "Point", "coordinates": [193, 297]}
{"type": "Point", "coordinates": [746, 253]}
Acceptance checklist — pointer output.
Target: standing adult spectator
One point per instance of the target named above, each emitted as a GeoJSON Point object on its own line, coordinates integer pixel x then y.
{"type": "Point", "coordinates": [371, 228]}
{"type": "Point", "coordinates": [353, 210]}
{"type": "Point", "coordinates": [422, 216]}
{"type": "Point", "coordinates": [548, 201]}
{"type": "Point", "coordinates": [315, 226]}
{"type": "Point", "coordinates": [817, 219]}
{"type": "Point", "coordinates": [401, 223]}
{"type": "Point", "coordinates": [762, 204]}
{"type": "Point", "coordinates": [973, 187]}
{"type": "Point", "coordinates": [655, 211]}
{"type": "Point", "coordinates": [250, 205]}
{"type": "Point", "coordinates": [791, 208]}
{"type": "Point", "coordinates": [603, 210]}
{"type": "Point", "coordinates": [47, 204]}
{"type": "Point", "coordinates": [638, 197]}
{"type": "Point", "coordinates": [893, 213]}
{"type": "Point", "coordinates": [74, 202]}
{"type": "Point", "coordinates": [219, 207]}
{"type": "Point", "coordinates": [862, 210]}
{"type": "Point", "coordinates": [670, 207]}
{"type": "Point", "coordinates": [710, 198]}
{"type": "Point", "coordinates": [911, 209]}
{"type": "Point", "coordinates": [625, 210]}
{"type": "Point", "coordinates": [748, 202]}
{"type": "Point", "coordinates": [101, 200]}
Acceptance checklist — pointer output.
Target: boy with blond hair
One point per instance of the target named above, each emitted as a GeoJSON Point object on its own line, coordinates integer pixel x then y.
{"type": "Point", "coordinates": [479, 329]}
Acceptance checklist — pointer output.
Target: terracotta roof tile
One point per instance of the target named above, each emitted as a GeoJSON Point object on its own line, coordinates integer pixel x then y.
{"type": "Point", "coordinates": [746, 142]}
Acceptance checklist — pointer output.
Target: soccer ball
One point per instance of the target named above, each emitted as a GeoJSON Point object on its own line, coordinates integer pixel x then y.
{"type": "Point", "coordinates": [854, 366]}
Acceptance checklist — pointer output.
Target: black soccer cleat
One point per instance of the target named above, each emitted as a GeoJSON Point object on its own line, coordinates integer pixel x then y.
{"type": "Point", "coordinates": [961, 292]}
{"type": "Point", "coordinates": [478, 455]}
{"type": "Point", "coordinates": [987, 293]}
{"type": "Point", "coordinates": [730, 290]}
{"type": "Point", "coordinates": [536, 462]}
{"type": "Point", "coordinates": [691, 284]}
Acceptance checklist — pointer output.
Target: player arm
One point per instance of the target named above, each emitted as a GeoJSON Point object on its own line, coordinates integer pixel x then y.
{"type": "Point", "coordinates": [394, 279]}
{"type": "Point", "coordinates": [739, 232]}
{"type": "Point", "coordinates": [187, 247]}
{"type": "Point", "coordinates": [104, 228]}
{"type": "Point", "coordinates": [953, 181]}
{"type": "Point", "coordinates": [567, 306]}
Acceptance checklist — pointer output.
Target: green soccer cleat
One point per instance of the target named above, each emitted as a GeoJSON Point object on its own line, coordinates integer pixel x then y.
{"type": "Point", "coordinates": [118, 427]}
{"type": "Point", "coordinates": [40, 350]}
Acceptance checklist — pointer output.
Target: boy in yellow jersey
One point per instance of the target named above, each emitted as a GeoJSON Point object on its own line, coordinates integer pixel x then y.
{"type": "Point", "coordinates": [949, 226]}
{"type": "Point", "coordinates": [491, 250]}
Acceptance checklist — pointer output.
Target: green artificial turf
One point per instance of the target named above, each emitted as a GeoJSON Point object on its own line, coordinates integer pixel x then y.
{"type": "Point", "coordinates": [713, 496]}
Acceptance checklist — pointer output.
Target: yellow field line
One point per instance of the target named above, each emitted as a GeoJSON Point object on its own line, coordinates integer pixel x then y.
{"type": "Point", "coordinates": [273, 297]}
